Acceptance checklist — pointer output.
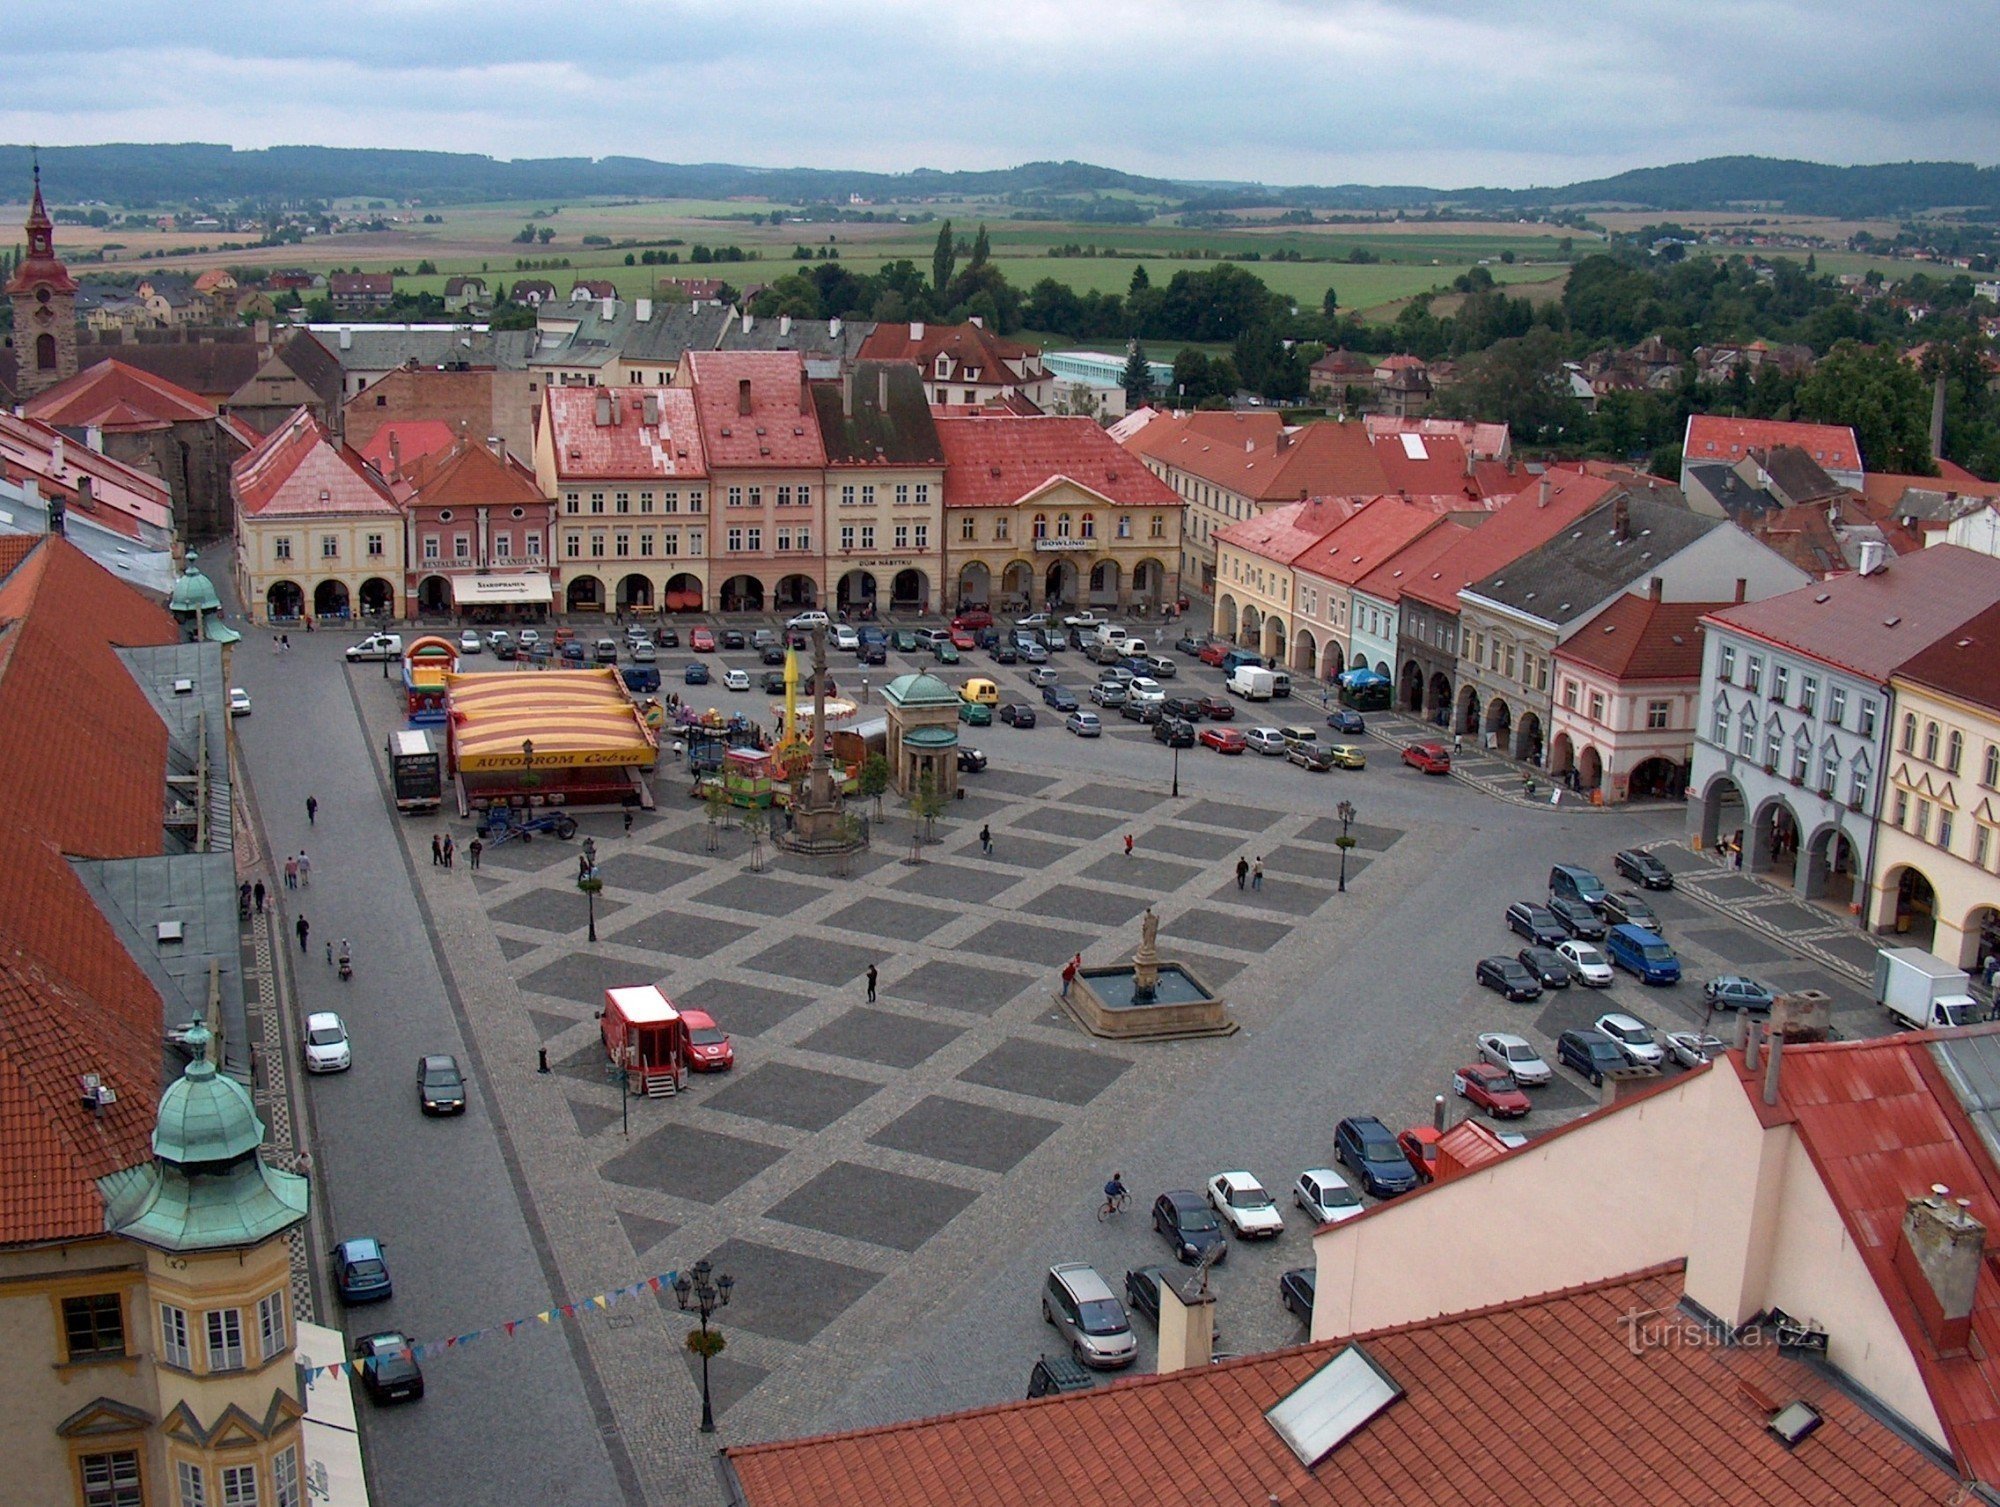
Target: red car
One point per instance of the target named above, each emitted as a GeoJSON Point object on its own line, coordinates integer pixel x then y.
{"type": "Point", "coordinates": [1218, 708]}
{"type": "Point", "coordinates": [976, 619]}
{"type": "Point", "coordinates": [1431, 758]}
{"type": "Point", "coordinates": [1215, 652]}
{"type": "Point", "coordinates": [1488, 1086]}
{"type": "Point", "coordinates": [963, 641]}
{"type": "Point", "coordinates": [702, 641]}
{"type": "Point", "coordinates": [1224, 739]}
{"type": "Point", "coordinates": [709, 1047]}
{"type": "Point", "coordinates": [1420, 1144]}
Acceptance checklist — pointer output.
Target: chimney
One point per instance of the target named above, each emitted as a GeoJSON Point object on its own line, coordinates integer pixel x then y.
{"type": "Point", "coordinates": [1656, 590]}
{"type": "Point", "coordinates": [650, 413]}
{"type": "Point", "coordinates": [1249, 447]}
{"type": "Point", "coordinates": [1742, 590]}
{"type": "Point", "coordinates": [609, 308]}
{"type": "Point", "coordinates": [743, 397]}
{"type": "Point", "coordinates": [1871, 556]}
{"type": "Point", "coordinates": [748, 320]}
{"type": "Point", "coordinates": [1621, 519]}
{"type": "Point", "coordinates": [642, 310]}
{"type": "Point", "coordinates": [395, 455]}
{"type": "Point", "coordinates": [784, 324]}
{"type": "Point", "coordinates": [1542, 494]}
{"type": "Point", "coordinates": [260, 331]}
{"type": "Point", "coordinates": [604, 410]}
{"type": "Point", "coordinates": [833, 329]}
{"type": "Point", "coordinates": [916, 331]}
{"type": "Point", "coordinates": [847, 395]}
{"type": "Point", "coordinates": [1187, 1325]}
{"type": "Point", "coordinates": [58, 454]}
{"type": "Point", "coordinates": [86, 494]}
{"type": "Point", "coordinates": [1284, 441]}
{"type": "Point", "coordinates": [1774, 1055]}
{"type": "Point", "coordinates": [496, 449]}
{"type": "Point", "coordinates": [1938, 1258]}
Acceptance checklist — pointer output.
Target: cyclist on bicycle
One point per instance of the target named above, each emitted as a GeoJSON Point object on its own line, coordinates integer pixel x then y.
{"type": "Point", "coordinates": [1114, 1191]}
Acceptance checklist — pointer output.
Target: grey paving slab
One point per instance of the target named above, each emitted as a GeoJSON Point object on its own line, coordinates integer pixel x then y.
{"type": "Point", "coordinates": [692, 839]}
{"type": "Point", "coordinates": [1326, 829]}
{"type": "Point", "coordinates": [895, 920]}
{"type": "Point", "coordinates": [973, 882]}
{"type": "Point", "coordinates": [1064, 1075]}
{"type": "Point", "coordinates": [677, 933]}
{"type": "Point", "coordinates": [1220, 930]}
{"type": "Point", "coordinates": [886, 849]}
{"type": "Point", "coordinates": [557, 908]}
{"type": "Point", "coordinates": [729, 1380]}
{"type": "Point", "coordinates": [1189, 842]}
{"type": "Point", "coordinates": [1015, 782]}
{"type": "Point", "coordinates": [1731, 887]}
{"type": "Point", "coordinates": [742, 1009]}
{"type": "Point", "coordinates": [1291, 897]}
{"type": "Point", "coordinates": [779, 1093]}
{"type": "Point", "coordinates": [517, 857]}
{"type": "Point", "coordinates": [549, 1024]}
{"type": "Point", "coordinates": [1310, 863]}
{"type": "Point", "coordinates": [971, 1135]}
{"type": "Point", "coordinates": [1796, 920]}
{"type": "Point", "coordinates": [1852, 949]}
{"type": "Point", "coordinates": [1060, 821]}
{"type": "Point", "coordinates": [818, 959]}
{"type": "Point", "coordinates": [642, 873]}
{"type": "Point", "coordinates": [1734, 945]}
{"type": "Point", "coordinates": [971, 810]}
{"type": "Point", "coordinates": [643, 1233]}
{"type": "Point", "coordinates": [959, 986]}
{"type": "Point", "coordinates": [785, 1295]}
{"type": "Point", "coordinates": [584, 1064]}
{"type": "Point", "coordinates": [1234, 818]}
{"type": "Point", "coordinates": [1142, 872]}
{"type": "Point", "coordinates": [873, 1205]}
{"type": "Point", "coordinates": [518, 947]}
{"type": "Point", "coordinates": [1130, 799]}
{"type": "Point", "coordinates": [880, 1036]}
{"type": "Point", "coordinates": [591, 1118]}
{"type": "Point", "coordinates": [1027, 944]}
{"type": "Point", "coordinates": [1074, 902]}
{"type": "Point", "coordinates": [584, 976]}
{"type": "Point", "coordinates": [1017, 852]}
{"type": "Point", "coordinates": [760, 894]}
{"type": "Point", "coordinates": [686, 1162]}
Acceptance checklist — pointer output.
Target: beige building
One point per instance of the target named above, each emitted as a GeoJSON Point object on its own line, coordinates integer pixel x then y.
{"type": "Point", "coordinates": [884, 490]}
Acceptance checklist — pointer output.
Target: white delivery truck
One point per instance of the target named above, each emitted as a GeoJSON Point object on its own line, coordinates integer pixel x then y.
{"type": "Point", "coordinates": [1923, 991]}
{"type": "Point", "coordinates": [1251, 683]}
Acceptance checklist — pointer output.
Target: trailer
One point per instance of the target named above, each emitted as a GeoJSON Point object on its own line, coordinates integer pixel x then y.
{"type": "Point", "coordinates": [645, 1035]}
{"type": "Point", "coordinates": [416, 773]}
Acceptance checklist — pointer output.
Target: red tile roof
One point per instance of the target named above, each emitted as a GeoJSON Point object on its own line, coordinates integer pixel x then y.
{"type": "Point", "coordinates": [1637, 638]}
{"type": "Point", "coordinates": [1378, 530]}
{"type": "Point", "coordinates": [1871, 624]}
{"type": "Point", "coordinates": [781, 428]}
{"type": "Point", "coordinates": [976, 354]}
{"type": "Point", "coordinates": [1524, 523]}
{"type": "Point", "coordinates": [300, 469]}
{"type": "Point", "coordinates": [1387, 581]}
{"type": "Point", "coordinates": [413, 440]}
{"type": "Point", "coordinates": [629, 448]}
{"type": "Point", "coordinates": [996, 462]}
{"type": "Point", "coordinates": [1715, 437]}
{"type": "Point", "coordinates": [113, 396]}
{"type": "Point", "coordinates": [123, 496]}
{"type": "Point", "coordinates": [1537, 1403]}
{"type": "Point", "coordinates": [1427, 465]}
{"type": "Point", "coordinates": [1884, 489]}
{"type": "Point", "coordinates": [1964, 662]}
{"type": "Point", "coordinates": [470, 475]}
{"type": "Point", "coordinates": [1256, 456]}
{"type": "Point", "coordinates": [1282, 534]}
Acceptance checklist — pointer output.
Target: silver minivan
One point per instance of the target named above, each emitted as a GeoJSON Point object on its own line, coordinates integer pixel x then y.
{"type": "Point", "coordinates": [1082, 1305]}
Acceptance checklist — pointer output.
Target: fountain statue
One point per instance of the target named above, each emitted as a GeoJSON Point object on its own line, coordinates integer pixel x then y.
{"type": "Point", "coordinates": [1146, 961]}
{"type": "Point", "coordinates": [1146, 999]}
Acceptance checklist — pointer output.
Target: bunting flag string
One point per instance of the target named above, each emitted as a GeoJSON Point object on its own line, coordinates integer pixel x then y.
{"type": "Point", "coordinates": [428, 1349]}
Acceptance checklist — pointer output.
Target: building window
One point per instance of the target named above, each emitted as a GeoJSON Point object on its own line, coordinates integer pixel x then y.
{"type": "Point", "coordinates": [1902, 808]}
{"type": "Point", "coordinates": [1954, 750]}
{"type": "Point", "coordinates": [285, 1477]}
{"type": "Point", "coordinates": [175, 1348]}
{"type": "Point", "coordinates": [1041, 526]}
{"type": "Point", "coordinates": [192, 1483]}
{"type": "Point", "coordinates": [805, 497]}
{"type": "Point", "coordinates": [534, 543]}
{"type": "Point", "coordinates": [1857, 788]}
{"type": "Point", "coordinates": [868, 495]}
{"type": "Point", "coordinates": [573, 546]}
{"type": "Point", "coordinates": [1829, 770]}
{"type": "Point", "coordinates": [111, 1479]}
{"type": "Point", "coordinates": [1754, 674]}
{"type": "Point", "coordinates": [1000, 529]}
{"type": "Point", "coordinates": [1982, 845]}
{"type": "Point", "coordinates": [1774, 745]}
{"type": "Point", "coordinates": [1990, 775]}
{"type": "Point", "coordinates": [1836, 705]}
{"type": "Point", "coordinates": [902, 494]}
{"type": "Point", "coordinates": [622, 502]}
{"type": "Point", "coordinates": [784, 497]}
{"type": "Point", "coordinates": [461, 547]}
{"type": "Point", "coordinates": [94, 1327]}
{"type": "Point", "coordinates": [1923, 821]}
{"type": "Point", "coordinates": [1909, 732]}
{"type": "Point", "coordinates": [736, 497]}
{"type": "Point", "coordinates": [1726, 664]}
{"type": "Point", "coordinates": [1781, 682]}
{"type": "Point", "coordinates": [1808, 694]}
{"type": "Point", "coordinates": [503, 546]}
{"type": "Point", "coordinates": [1930, 742]}
{"type": "Point", "coordinates": [1159, 526]}
{"type": "Point", "coordinates": [756, 497]}
{"type": "Point", "coordinates": [597, 502]}
{"type": "Point", "coordinates": [1062, 525]}
{"type": "Point", "coordinates": [847, 536]}
{"type": "Point", "coordinates": [968, 529]}
{"type": "Point", "coordinates": [923, 536]}
{"type": "Point", "coordinates": [225, 1339]}
{"type": "Point", "coordinates": [281, 548]}
{"type": "Point", "coordinates": [572, 502]}
{"type": "Point", "coordinates": [621, 545]}
{"type": "Point", "coordinates": [374, 546]}
{"type": "Point", "coordinates": [597, 546]}
{"type": "Point", "coordinates": [1801, 761]}
{"type": "Point", "coordinates": [670, 502]}
{"type": "Point", "coordinates": [1720, 736]}
{"type": "Point", "coordinates": [645, 502]}
{"type": "Point", "coordinates": [694, 499]}
{"type": "Point", "coordinates": [1569, 692]}
{"type": "Point", "coordinates": [1087, 526]}
{"type": "Point", "coordinates": [1597, 706]}
{"type": "Point", "coordinates": [239, 1486]}
{"type": "Point", "coordinates": [1868, 719]}
{"type": "Point", "coordinates": [735, 544]}
{"type": "Point", "coordinates": [784, 538]}
{"type": "Point", "coordinates": [805, 538]}
{"type": "Point", "coordinates": [271, 1325]}
{"type": "Point", "coordinates": [1944, 829]}
{"type": "Point", "coordinates": [1656, 714]}
{"type": "Point", "coordinates": [670, 545]}
{"type": "Point", "coordinates": [756, 540]}
{"type": "Point", "coordinates": [902, 536]}
{"type": "Point", "coordinates": [847, 495]}
{"type": "Point", "coordinates": [867, 536]}
{"type": "Point", "coordinates": [923, 494]}
{"type": "Point", "coordinates": [329, 546]}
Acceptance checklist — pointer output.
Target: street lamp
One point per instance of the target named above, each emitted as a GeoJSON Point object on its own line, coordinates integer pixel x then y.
{"type": "Point", "coordinates": [1177, 768]}
{"type": "Point", "coordinates": [706, 1297]}
{"type": "Point", "coordinates": [588, 882]}
{"type": "Point", "coordinates": [620, 1067]}
{"type": "Point", "coordinates": [1345, 811]}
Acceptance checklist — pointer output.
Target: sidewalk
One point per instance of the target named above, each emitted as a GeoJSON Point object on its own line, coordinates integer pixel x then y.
{"type": "Point", "coordinates": [1502, 778]}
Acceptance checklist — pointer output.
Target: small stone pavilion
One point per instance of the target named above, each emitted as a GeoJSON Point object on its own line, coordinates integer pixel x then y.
{"type": "Point", "coordinates": [923, 734]}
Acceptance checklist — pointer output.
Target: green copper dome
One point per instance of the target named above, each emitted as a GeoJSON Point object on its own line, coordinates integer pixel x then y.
{"type": "Point", "coordinates": [205, 1117]}
{"type": "Point", "coordinates": [919, 690]}
{"type": "Point", "coordinates": [193, 591]}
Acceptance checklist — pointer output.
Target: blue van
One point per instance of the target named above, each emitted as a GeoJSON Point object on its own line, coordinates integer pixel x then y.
{"type": "Point", "coordinates": [1235, 659]}
{"type": "Point", "coordinates": [1643, 952]}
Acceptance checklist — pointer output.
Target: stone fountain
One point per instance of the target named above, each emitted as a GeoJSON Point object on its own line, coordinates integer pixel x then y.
{"type": "Point", "coordinates": [1146, 999]}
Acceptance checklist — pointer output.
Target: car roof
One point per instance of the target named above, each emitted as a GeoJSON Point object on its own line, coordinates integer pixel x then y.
{"type": "Point", "coordinates": [321, 1018]}
{"type": "Point", "coordinates": [695, 1017]}
{"type": "Point", "coordinates": [1183, 1197]}
{"type": "Point", "coordinates": [1622, 1020]}
{"type": "Point", "coordinates": [1083, 1279]}
{"type": "Point", "coordinates": [438, 1060]}
{"type": "Point", "coordinates": [1505, 1038]}
{"type": "Point", "coordinates": [360, 1248]}
{"type": "Point", "coordinates": [1237, 1180]}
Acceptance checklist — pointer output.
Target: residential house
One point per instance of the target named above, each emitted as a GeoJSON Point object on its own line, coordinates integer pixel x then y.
{"type": "Point", "coordinates": [627, 468]}
{"type": "Point", "coordinates": [1374, 612]}
{"type": "Point", "coordinates": [1256, 595]}
{"type": "Point", "coordinates": [964, 365]}
{"type": "Point", "coordinates": [1938, 844]}
{"type": "Point", "coordinates": [1402, 385]}
{"type": "Point", "coordinates": [1513, 619]}
{"type": "Point", "coordinates": [651, 342]}
{"type": "Point", "coordinates": [171, 301]}
{"type": "Point", "coordinates": [318, 531]}
{"type": "Point", "coordinates": [462, 293]}
{"type": "Point", "coordinates": [1042, 513]}
{"type": "Point", "coordinates": [1330, 376]}
{"type": "Point", "coordinates": [532, 291]}
{"type": "Point", "coordinates": [369, 352]}
{"type": "Point", "coordinates": [767, 465]}
{"type": "Point", "coordinates": [484, 402]}
{"type": "Point", "coordinates": [1712, 437]}
{"type": "Point", "coordinates": [1325, 575]}
{"type": "Point", "coordinates": [692, 290]}
{"type": "Point", "coordinates": [120, 517]}
{"type": "Point", "coordinates": [219, 287]}
{"type": "Point", "coordinates": [1795, 732]}
{"type": "Point", "coordinates": [478, 533]}
{"type": "Point", "coordinates": [360, 292]}
{"type": "Point", "coordinates": [587, 289]}
{"type": "Point", "coordinates": [1978, 529]}
{"type": "Point", "coordinates": [297, 373]}
{"type": "Point", "coordinates": [884, 489]}
{"type": "Point", "coordinates": [1483, 441]}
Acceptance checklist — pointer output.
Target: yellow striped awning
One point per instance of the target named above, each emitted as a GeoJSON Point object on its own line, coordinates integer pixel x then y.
{"type": "Point", "coordinates": [574, 718]}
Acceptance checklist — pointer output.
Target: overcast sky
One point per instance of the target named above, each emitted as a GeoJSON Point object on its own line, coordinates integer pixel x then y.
{"type": "Point", "coordinates": [1445, 93]}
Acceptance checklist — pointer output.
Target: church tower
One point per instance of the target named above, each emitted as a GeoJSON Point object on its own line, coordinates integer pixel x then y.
{"type": "Point", "coordinates": [44, 298]}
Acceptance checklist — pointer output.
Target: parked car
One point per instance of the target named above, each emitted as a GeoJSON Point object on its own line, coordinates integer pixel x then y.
{"type": "Point", "coordinates": [1145, 688]}
{"type": "Point", "coordinates": [873, 654]}
{"type": "Point", "coordinates": [1161, 668]}
{"type": "Point", "coordinates": [498, 636]}
{"type": "Point", "coordinates": [377, 646]}
{"type": "Point", "coordinates": [529, 638]}
{"type": "Point", "coordinates": [1187, 708]}
{"type": "Point", "coordinates": [702, 640]}
{"type": "Point", "coordinates": [666, 638]}
{"type": "Point", "coordinates": [1005, 654]}
{"type": "Point", "coordinates": [361, 1271]}
{"type": "Point", "coordinates": [1591, 1053]}
{"type": "Point", "coordinates": [1622, 907]}
{"type": "Point", "coordinates": [1735, 991]}
{"type": "Point", "coordinates": [963, 641]}
{"type": "Point", "coordinates": [1644, 953]}
{"type": "Point", "coordinates": [764, 638]}
{"type": "Point", "coordinates": [974, 618]}
{"type": "Point", "coordinates": [469, 642]}
{"type": "Point", "coordinates": [1578, 919]}
{"type": "Point", "coordinates": [1134, 710]}
{"type": "Point", "coordinates": [772, 683]}
{"type": "Point", "coordinates": [709, 1048]}
{"type": "Point", "coordinates": [1326, 1196]}
{"type": "Point", "coordinates": [1081, 1304]}
{"type": "Point", "coordinates": [1218, 709]}
{"type": "Point", "coordinates": [1508, 977]}
{"type": "Point", "coordinates": [1365, 1145]}
{"type": "Point", "coordinates": [388, 1366]}
{"type": "Point", "coordinates": [1059, 698]}
{"type": "Point", "coordinates": [970, 760]}
{"type": "Point", "coordinates": [1213, 653]}
{"type": "Point", "coordinates": [1547, 965]}
{"type": "Point", "coordinates": [945, 652]}
{"type": "Point", "coordinates": [1570, 881]}
{"type": "Point", "coordinates": [1224, 740]}
{"type": "Point", "coordinates": [1516, 1056]}
{"type": "Point", "coordinates": [1487, 1086]}
{"type": "Point", "coordinates": [1084, 724]}
{"type": "Point", "coordinates": [326, 1044]}
{"type": "Point", "coordinates": [695, 674]}
{"type": "Point", "coordinates": [642, 653]}
{"type": "Point", "coordinates": [1190, 643]}
{"type": "Point", "coordinates": [1295, 1291]}
{"type": "Point", "coordinates": [1348, 756]}
{"type": "Point", "coordinates": [1249, 1211]}
{"type": "Point", "coordinates": [732, 639]}
{"type": "Point", "coordinates": [573, 652]}
{"type": "Point", "coordinates": [1586, 964]}
{"type": "Point", "coordinates": [809, 619]}
{"type": "Point", "coordinates": [1633, 1034]}
{"type": "Point", "coordinates": [1142, 1290]}
{"type": "Point", "coordinates": [1189, 1226]}
{"type": "Point", "coordinates": [1173, 732]}
{"type": "Point", "coordinates": [1034, 654]}
{"type": "Point", "coordinates": [440, 1085]}
{"type": "Point", "coordinates": [736, 680]}
{"type": "Point", "coordinates": [1419, 1145]}
{"type": "Point", "coordinates": [843, 638]}
{"type": "Point", "coordinates": [1643, 869]}
{"type": "Point", "coordinates": [239, 701]}
{"type": "Point", "coordinates": [1018, 714]}
{"type": "Point", "coordinates": [1428, 758]}
{"type": "Point", "coordinates": [1693, 1048]}
{"type": "Point", "coordinates": [1346, 720]}
{"type": "Point", "coordinates": [1317, 757]}
{"type": "Point", "coordinates": [1267, 740]}
{"type": "Point", "coordinates": [1116, 673]}
{"type": "Point", "coordinates": [1108, 693]}
{"type": "Point", "coordinates": [905, 640]}
{"type": "Point", "coordinates": [975, 714]}
{"type": "Point", "coordinates": [1535, 922]}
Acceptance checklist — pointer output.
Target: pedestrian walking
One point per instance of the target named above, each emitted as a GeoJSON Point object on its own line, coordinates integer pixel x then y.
{"type": "Point", "coordinates": [257, 894]}
{"type": "Point", "coordinates": [449, 850]}
{"type": "Point", "coordinates": [291, 872]}
{"type": "Point", "coordinates": [1457, 742]}
{"type": "Point", "coordinates": [304, 931]}
{"type": "Point", "coordinates": [985, 837]}
{"type": "Point", "coordinates": [475, 848]}
{"type": "Point", "coordinates": [1257, 873]}
{"type": "Point", "coordinates": [437, 851]}
{"type": "Point", "coordinates": [312, 810]}
{"type": "Point", "coordinates": [1128, 844]}
{"type": "Point", "coordinates": [1070, 971]}
{"type": "Point", "coordinates": [1242, 871]}
{"type": "Point", "coordinates": [628, 825]}
{"type": "Point", "coordinates": [305, 870]}
{"type": "Point", "coordinates": [871, 983]}
{"type": "Point", "coordinates": [329, 952]}
{"type": "Point", "coordinates": [285, 642]}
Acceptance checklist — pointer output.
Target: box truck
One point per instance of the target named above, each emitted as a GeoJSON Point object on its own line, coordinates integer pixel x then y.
{"type": "Point", "coordinates": [1923, 991]}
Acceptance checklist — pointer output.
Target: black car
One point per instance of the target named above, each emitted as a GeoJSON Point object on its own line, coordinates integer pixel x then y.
{"type": "Point", "coordinates": [1175, 732]}
{"type": "Point", "coordinates": [1059, 698]}
{"type": "Point", "coordinates": [732, 638]}
{"type": "Point", "coordinates": [1547, 965]}
{"type": "Point", "coordinates": [1189, 1226]}
{"type": "Point", "coordinates": [1187, 708]}
{"type": "Point", "coordinates": [1142, 1290]}
{"type": "Point", "coordinates": [1295, 1291]}
{"type": "Point", "coordinates": [389, 1369]}
{"type": "Point", "coordinates": [1018, 714]}
{"type": "Point", "coordinates": [1537, 923]}
{"type": "Point", "coordinates": [506, 651]}
{"type": "Point", "coordinates": [1643, 869]}
{"type": "Point", "coordinates": [1365, 1144]}
{"type": "Point", "coordinates": [1581, 919]}
{"type": "Point", "coordinates": [1006, 654]}
{"type": "Point", "coordinates": [970, 760]}
{"type": "Point", "coordinates": [668, 638]}
{"type": "Point", "coordinates": [873, 654]}
{"type": "Point", "coordinates": [1622, 907]}
{"type": "Point", "coordinates": [1188, 643]}
{"type": "Point", "coordinates": [1508, 977]}
{"type": "Point", "coordinates": [440, 1085]}
{"type": "Point", "coordinates": [1346, 720]}
{"type": "Point", "coordinates": [772, 654]}
{"type": "Point", "coordinates": [1591, 1053]}
{"type": "Point", "coordinates": [1147, 712]}
{"type": "Point", "coordinates": [773, 682]}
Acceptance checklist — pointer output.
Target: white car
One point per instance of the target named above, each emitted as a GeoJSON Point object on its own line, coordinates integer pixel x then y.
{"type": "Point", "coordinates": [1326, 1196]}
{"type": "Point", "coordinates": [736, 680]}
{"type": "Point", "coordinates": [1517, 1056]}
{"type": "Point", "coordinates": [1082, 620]}
{"type": "Point", "coordinates": [1693, 1048]}
{"type": "Point", "coordinates": [1586, 964]}
{"type": "Point", "coordinates": [468, 642]}
{"type": "Point", "coordinates": [1633, 1034]}
{"type": "Point", "coordinates": [1244, 1205]}
{"type": "Point", "coordinates": [808, 620]}
{"type": "Point", "coordinates": [377, 646]}
{"type": "Point", "coordinates": [1032, 620]}
{"type": "Point", "coordinates": [239, 701]}
{"type": "Point", "coordinates": [1267, 740]}
{"type": "Point", "coordinates": [326, 1044]}
{"type": "Point", "coordinates": [498, 639]}
{"type": "Point", "coordinates": [846, 639]}
{"type": "Point", "coordinates": [1045, 675]}
{"type": "Point", "coordinates": [529, 638]}
{"type": "Point", "coordinates": [1145, 690]}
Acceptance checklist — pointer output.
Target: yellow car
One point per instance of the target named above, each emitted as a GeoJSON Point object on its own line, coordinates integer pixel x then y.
{"type": "Point", "coordinates": [985, 692]}
{"type": "Point", "coordinates": [1347, 756]}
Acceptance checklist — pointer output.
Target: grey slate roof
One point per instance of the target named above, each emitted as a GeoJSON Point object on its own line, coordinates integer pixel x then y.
{"type": "Point", "coordinates": [1578, 569]}
{"type": "Point", "coordinates": [1795, 475]}
{"type": "Point", "coordinates": [384, 350]}
{"type": "Point", "coordinates": [832, 340]}
{"type": "Point", "coordinates": [1740, 502]}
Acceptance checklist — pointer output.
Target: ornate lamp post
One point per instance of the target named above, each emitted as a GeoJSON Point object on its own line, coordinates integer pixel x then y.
{"type": "Point", "coordinates": [1345, 811]}
{"type": "Point", "coordinates": [588, 882]}
{"type": "Point", "coordinates": [698, 1295]}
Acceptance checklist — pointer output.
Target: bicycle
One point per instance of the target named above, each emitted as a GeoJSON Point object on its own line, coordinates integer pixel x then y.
{"type": "Point", "coordinates": [1113, 1204]}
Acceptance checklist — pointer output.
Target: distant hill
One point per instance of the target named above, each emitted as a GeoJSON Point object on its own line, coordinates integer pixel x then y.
{"type": "Point", "coordinates": [140, 176]}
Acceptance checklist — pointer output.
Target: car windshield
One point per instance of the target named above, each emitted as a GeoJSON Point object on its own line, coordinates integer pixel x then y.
{"type": "Point", "coordinates": [441, 1077]}
{"type": "Point", "coordinates": [1588, 956]}
{"type": "Point", "coordinates": [1197, 1219]}
{"type": "Point", "coordinates": [1501, 1083]}
{"type": "Point", "coordinates": [1520, 1052]}
{"type": "Point", "coordinates": [326, 1036]}
{"type": "Point", "coordinates": [1657, 952]}
{"type": "Point", "coordinates": [1103, 1316]}
{"type": "Point", "coordinates": [1250, 1198]}
{"type": "Point", "coordinates": [707, 1036]}
{"type": "Point", "coordinates": [1338, 1196]}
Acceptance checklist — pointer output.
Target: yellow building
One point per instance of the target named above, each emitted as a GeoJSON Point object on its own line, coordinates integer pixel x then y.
{"type": "Point", "coordinates": [1258, 599]}
{"type": "Point", "coordinates": [1937, 855]}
